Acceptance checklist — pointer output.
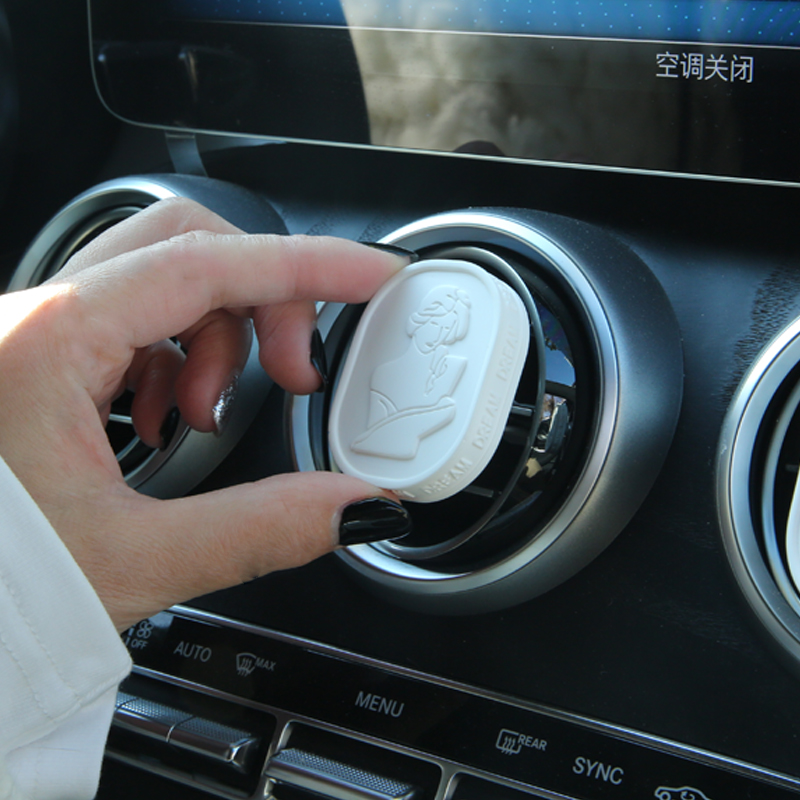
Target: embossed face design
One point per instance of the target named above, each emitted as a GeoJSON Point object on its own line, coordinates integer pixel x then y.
{"type": "Point", "coordinates": [442, 319]}
{"type": "Point", "coordinates": [430, 334]}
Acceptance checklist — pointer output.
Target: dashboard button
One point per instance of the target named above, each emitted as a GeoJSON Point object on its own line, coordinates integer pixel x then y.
{"type": "Point", "coordinates": [336, 779]}
{"type": "Point", "coordinates": [214, 740]}
{"type": "Point", "coordinates": [146, 717]}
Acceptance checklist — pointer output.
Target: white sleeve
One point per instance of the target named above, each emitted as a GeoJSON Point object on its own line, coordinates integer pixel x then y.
{"type": "Point", "coordinates": [60, 659]}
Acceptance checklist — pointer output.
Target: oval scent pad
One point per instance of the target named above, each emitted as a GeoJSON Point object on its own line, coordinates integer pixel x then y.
{"type": "Point", "coordinates": [427, 386]}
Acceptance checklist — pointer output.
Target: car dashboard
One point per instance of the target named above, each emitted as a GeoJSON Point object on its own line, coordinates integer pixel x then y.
{"type": "Point", "coordinates": [610, 610]}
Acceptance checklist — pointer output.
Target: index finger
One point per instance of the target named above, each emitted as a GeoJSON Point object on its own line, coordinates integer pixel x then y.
{"type": "Point", "coordinates": [158, 291]}
{"type": "Point", "coordinates": [157, 222]}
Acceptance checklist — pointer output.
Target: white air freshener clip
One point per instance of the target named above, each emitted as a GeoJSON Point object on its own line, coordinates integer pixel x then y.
{"type": "Point", "coordinates": [429, 381]}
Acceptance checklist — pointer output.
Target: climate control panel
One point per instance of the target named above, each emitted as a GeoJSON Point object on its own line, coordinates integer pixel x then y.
{"type": "Point", "coordinates": [238, 709]}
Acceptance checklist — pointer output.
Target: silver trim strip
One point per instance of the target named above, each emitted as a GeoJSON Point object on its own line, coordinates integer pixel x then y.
{"type": "Point", "coordinates": [502, 34]}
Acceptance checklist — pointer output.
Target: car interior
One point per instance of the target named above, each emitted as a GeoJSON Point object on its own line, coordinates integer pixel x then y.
{"type": "Point", "coordinates": [609, 607]}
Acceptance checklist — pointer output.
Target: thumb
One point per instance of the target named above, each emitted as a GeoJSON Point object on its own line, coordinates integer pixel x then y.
{"type": "Point", "coordinates": [180, 549]}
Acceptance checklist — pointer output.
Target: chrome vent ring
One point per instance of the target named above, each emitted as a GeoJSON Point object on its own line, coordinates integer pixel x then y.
{"type": "Point", "coordinates": [757, 489]}
{"type": "Point", "coordinates": [77, 224]}
{"type": "Point", "coordinates": [576, 468]}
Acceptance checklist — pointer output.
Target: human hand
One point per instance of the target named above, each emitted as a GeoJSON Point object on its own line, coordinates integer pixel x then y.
{"type": "Point", "coordinates": [104, 323]}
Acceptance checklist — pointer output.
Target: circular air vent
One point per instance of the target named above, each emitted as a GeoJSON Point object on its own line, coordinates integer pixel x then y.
{"type": "Point", "coordinates": [758, 494]}
{"type": "Point", "coordinates": [76, 225]}
{"type": "Point", "coordinates": [155, 472]}
{"type": "Point", "coordinates": [589, 427]}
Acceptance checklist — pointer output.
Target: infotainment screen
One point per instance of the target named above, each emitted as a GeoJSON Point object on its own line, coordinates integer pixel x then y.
{"type": "Point", "coordinates": [695, 87]}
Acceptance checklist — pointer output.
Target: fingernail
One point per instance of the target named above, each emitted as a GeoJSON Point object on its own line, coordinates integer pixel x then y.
{"type": "Point", "coordinates": [221, 412]}
{"type": "Point", "coordinates": [373, 520]}
{"type": "Point", "coordinates": [168, 428]}
{"type": "Point", "coordinates": [318, 359]}
{"type": "Point", "coordinates": [395, 250]}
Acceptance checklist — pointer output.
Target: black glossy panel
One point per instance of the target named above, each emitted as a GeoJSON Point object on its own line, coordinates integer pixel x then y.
{"type": "Point", "coordinates": [653, 634]}
{"type": "Point", "coordinates": [700, 108]}
{"type": "Point", "coordinates": [531, 745]}
{"type": "Point", "coordinates": [470, 788]}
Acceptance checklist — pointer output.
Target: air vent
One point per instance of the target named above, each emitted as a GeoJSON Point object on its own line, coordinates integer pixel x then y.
{"type": "Point", "coordinates": [83, 220]}
{"type": "Point", "coordinates": [758, 497]}
{"type": "Point", "coordinates": [154, 472]}
{"type": "Point", "coordinates": [588, 430]}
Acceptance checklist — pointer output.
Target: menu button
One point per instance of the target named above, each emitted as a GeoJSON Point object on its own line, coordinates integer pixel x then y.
{"type": "Point", "coordinates": [379, 705]}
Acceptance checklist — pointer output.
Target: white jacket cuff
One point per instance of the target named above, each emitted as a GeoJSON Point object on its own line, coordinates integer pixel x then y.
{"type": "Point", "coordinates": [60, 659]}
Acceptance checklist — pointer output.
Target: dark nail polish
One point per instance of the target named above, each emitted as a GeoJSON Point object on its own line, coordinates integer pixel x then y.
{"type": "Point", "coordinates": [318, 359]}
{"type": "Point", "coordinates": [169, 427]}
{"type": "Point", "coordinates": [395, 250]}
{"type": "Point", "coordinates": [373, 520]}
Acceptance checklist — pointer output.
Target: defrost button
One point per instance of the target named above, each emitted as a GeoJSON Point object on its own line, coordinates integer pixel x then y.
{"type": "Point", "coordinates": [429, 381]}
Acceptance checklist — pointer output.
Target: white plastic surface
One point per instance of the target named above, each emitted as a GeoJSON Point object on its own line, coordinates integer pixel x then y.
{"type": "Point", "coordinates": [428, 383]}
